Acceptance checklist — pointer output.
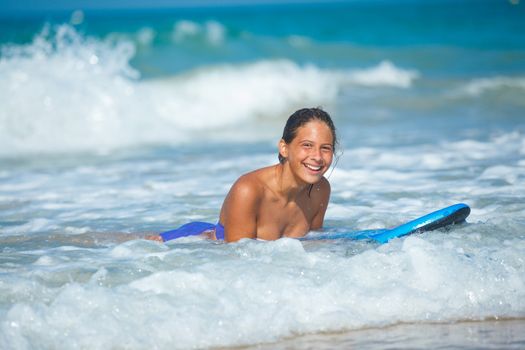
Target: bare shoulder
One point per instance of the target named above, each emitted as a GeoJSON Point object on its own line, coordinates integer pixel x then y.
{"type": "Point", "coordinates": [248, 189]}
{"type": "Point", "coordinates": [255, 181]}
{"type": "Point", "coordinates": [239, 210]}
{"type": "Point", "coordinates": [248, 185]}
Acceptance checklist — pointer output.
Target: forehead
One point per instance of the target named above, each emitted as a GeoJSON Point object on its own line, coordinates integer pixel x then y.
{"type": "Point", "coordinates": [315, 130]}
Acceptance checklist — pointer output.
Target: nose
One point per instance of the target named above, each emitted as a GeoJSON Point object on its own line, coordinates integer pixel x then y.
{"type": "Point", "coordinates": [315, 154]}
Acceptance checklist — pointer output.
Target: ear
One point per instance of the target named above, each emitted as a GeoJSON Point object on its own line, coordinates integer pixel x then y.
{"type": "Point", "coordinates": [283, 148]}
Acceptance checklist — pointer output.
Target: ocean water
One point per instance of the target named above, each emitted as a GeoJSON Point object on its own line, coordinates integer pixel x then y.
{"type": "Point", "coordinates": [114, 124]}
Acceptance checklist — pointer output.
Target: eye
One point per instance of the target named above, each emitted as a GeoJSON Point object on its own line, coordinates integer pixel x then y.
{"type": "Point", "coordinates": [327, 148]}
{"type": "Point", "coordinates": [307, 145]}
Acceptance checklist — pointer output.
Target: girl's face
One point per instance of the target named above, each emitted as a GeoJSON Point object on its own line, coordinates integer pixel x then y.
{"type": "Point", "coordinates": [311, 152]}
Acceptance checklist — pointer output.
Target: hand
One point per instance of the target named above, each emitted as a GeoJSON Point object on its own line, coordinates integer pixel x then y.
{"type": "Point", "coordinates": [157, 238]}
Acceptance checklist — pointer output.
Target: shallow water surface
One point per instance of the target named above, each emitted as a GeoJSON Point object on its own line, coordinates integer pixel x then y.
{"type": "Point", "coordinates": [110, 130]}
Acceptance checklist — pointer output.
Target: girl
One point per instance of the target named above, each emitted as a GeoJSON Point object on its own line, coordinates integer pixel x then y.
{"type": "Point", "coordinates": [287, 199]}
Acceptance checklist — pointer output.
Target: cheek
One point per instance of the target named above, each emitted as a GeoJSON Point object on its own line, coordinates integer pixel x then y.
{"type": "Point", "coordinates": [328, 158]}
{"type": "Point", "coordinates": [297, 153]}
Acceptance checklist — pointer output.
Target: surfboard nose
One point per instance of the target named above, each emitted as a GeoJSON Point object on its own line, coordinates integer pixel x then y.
{"type": "Point", "coordinates": [451, 215]}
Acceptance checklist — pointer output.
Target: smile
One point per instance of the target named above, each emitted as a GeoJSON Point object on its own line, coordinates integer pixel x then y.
{"type": "Point", "coordinates": [313, 167]}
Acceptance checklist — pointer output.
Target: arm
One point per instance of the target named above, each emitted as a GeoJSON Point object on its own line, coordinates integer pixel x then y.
{"type": "Point", "coordinates": [239, 211]}
{"type": "Point", "coordinates": [323, 197]}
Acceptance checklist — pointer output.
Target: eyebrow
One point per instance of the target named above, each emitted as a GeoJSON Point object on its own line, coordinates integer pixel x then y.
{"type": "Point", "coordinates": [322, 144]}
{"type": "Point", "coordinates": [331, 145]}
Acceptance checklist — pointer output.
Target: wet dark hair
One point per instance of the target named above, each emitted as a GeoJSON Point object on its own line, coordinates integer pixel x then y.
{"type": "Point", "coordinates": [301, 117]}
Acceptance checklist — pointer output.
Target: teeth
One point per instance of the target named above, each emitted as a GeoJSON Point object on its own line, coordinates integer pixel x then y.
{"type": "Point", "coordinates": [314, 168]}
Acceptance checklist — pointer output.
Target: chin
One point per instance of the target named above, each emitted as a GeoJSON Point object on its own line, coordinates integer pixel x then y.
{"type": "Point", "coordinates": [313, 180]}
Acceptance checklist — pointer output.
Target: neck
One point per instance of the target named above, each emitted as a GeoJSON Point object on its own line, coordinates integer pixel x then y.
{"type": "Point", "coordinates": [287, 184]}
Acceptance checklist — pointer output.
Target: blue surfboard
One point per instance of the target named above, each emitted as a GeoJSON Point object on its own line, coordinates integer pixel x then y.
{"type": "Point", "coordinates": [454, 214]}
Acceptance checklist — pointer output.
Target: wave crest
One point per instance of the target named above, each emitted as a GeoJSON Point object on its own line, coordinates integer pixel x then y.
{"type": "Point", "coordinates": [211, 32]}
{"type": "Point", "coordinates": [480, 86]}
{"type": "Point", "coordinates": [66, 93]}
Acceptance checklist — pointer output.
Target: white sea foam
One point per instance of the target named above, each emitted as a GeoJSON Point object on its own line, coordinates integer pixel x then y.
{"type": "Point", "coordinates": [479, 86]}
{"type": "Point", "coordinates": [146, 35]}
{"type": "Point", "coordinates": [227, 95]}
{"type": "Point", "coordinates": [442, 175]}
{"type": "Point", "coordinates": [188, 293]}
{"type": "Point", "coordinates": [34, 225]}
{"type": "Point", "coordinates": [185, 28]}
{"type": "Point", "coordinates": [63, 92]}
{"type": "Point", "coordinates": [385, 74]}
{"type": "Point", "coordinates": [191, 296]}
{"type": "Point", "coordinates": [211, 32]}
{"type": "Point", "coordinates": [68, 93]}
{"type": "Point", "coordinates": [68, 281]}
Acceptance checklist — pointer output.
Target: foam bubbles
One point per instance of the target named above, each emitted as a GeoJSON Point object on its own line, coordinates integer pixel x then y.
{"type": "Point", "coordinates": [385, 74]}
{"type": "Point", "coordinates": [85, 96]}
{"type": "Point", "coordinates": [33, 225]}
{"type": "Point", "coordinates": [212, 32]}
{"type": "Point", "coordinates": [386, 185]}
{"type": "Point", "coordinates": [479, 86]}
{"type": "Point", "coordinates": [75, 273]}
{"type": "Point", "coordinates": [74, 86]}
{"type": "Point", "coordinates": [264, 88]}
{"type": "Point", "coordinates": [146, 35]}
{"type": "Point", "coordinates": [269, 290]}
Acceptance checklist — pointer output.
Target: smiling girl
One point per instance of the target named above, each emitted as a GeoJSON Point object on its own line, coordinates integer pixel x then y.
{"type": "Point", "coordinates": [287, 199]}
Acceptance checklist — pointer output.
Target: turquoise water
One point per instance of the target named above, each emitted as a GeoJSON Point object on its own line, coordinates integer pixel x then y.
{"type": "Point", "coordinates": [118, 123]}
